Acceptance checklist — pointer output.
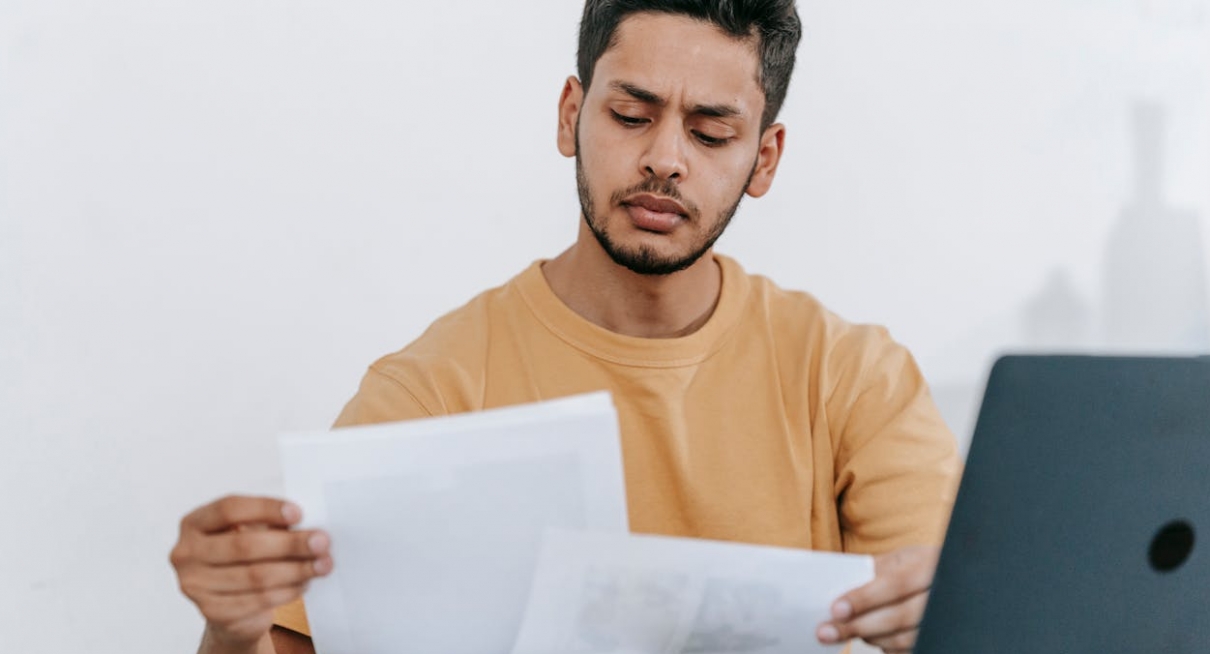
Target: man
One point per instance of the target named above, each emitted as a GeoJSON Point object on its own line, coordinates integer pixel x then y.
{"type": "Point", "coordinates": [747, 413]}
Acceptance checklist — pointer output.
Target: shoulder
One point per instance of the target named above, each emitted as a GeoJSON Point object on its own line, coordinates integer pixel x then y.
{"type": "Point", "coordinates": [833, 360]}
{"type": "Point", "coordinates": [453, 336]}
{"type": "Point", "coordinates": [444, 368]}
{"type": "Point", "coordinates": [803, 328]}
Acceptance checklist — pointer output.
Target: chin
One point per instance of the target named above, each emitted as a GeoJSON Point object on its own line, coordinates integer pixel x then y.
{"type": "Point", "coordinates": [656, 262]}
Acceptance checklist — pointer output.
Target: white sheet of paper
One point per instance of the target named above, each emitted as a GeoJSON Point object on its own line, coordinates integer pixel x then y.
{"type": "Point", "coordinates": [604, 593]}
{"type": "Point", "coordinates": [436, 524]}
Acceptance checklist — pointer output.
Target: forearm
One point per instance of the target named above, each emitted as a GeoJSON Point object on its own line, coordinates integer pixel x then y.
{"type": "Point", "coordinates": [212, 645]}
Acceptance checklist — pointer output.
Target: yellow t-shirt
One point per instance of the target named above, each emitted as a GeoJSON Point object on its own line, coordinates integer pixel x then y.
{"type": "Point", "coordinates": [776, 423]}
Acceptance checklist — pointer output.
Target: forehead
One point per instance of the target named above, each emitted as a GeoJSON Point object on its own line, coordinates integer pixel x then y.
{"type": "Point", "coordinates": [678, 55]}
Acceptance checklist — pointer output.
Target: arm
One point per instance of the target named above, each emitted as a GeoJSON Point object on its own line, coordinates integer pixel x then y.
{"type": "Point", "coordinates": [238, 559]}
{"type": "Point", "coordinates": [213, 644]}
{"type": "Point", "coordinates": [277, 641]}
{"type": "Point", "coordinates": [897, 464]}
{"type": "Point", "coordinates": [886, 612]}
{"type": "Point", "coordinates": [897, 470]}
{"type": "Point", "coordinates": [381, 398]}
{"type": "Point", "coordinates": [289, 642]}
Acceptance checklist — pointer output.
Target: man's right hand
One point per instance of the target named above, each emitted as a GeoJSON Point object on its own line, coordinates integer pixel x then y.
{"type": "Point", "coordinates": [238, 559]}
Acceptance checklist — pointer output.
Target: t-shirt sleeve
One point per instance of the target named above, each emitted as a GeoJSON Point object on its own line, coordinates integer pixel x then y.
{"type": "Point", "coordinates": [897, 464]}
{"type": "Point", "coordinates": [380, 398]}
{"type": "Point", "coordinates": [293, 616]}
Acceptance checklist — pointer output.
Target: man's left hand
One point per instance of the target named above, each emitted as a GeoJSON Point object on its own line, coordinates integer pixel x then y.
{"type": "Point", "coordinates": [886, 612]}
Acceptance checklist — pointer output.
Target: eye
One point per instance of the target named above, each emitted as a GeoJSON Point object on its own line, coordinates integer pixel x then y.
{"type": "Point", "coordinates": [628, 121]}
{"type": "Point", "coordinates": [710, 141]}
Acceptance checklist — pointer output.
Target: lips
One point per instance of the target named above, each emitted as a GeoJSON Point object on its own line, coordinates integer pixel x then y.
{"type": "Point", "coordinates": [655, 214]}
{"type": "Point", "coordinates": [656, 204]}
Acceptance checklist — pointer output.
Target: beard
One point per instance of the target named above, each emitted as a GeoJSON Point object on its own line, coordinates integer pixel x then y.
{"type": "Point", "coordinates": [645, 260]}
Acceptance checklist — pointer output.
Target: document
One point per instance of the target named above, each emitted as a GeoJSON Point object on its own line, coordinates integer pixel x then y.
{"type": "Point", "coordinates": [436, 524]}
{"type": "Point", "coordinates": [607, 593]}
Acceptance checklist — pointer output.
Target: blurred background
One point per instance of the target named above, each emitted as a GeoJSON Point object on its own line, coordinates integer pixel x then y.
{"type": "Point", "coordinates": [214, 215]}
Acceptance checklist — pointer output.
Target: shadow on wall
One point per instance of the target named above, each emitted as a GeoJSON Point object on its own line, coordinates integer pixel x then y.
{"type": "Point", "coordinates": [1154, 292]}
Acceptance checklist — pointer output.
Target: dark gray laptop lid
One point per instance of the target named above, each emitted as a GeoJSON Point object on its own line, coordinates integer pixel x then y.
{"type": "Point", "coordinates": [1082, 523]}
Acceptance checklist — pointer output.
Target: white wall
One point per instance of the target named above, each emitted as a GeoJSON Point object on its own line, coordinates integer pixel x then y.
{"type": "Point", "coordinates": [214, 215]}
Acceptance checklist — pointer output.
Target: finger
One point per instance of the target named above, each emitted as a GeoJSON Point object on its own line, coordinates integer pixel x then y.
{"type": "Point", "coordinates": [244, 547]}
{"type": "Point", "coordinates": [903, 641]}
{"type": "Point", "coordinates": [237, 579]}
{"type": "Point", "coordinates": [888, 620]}
{"type": "Point", "coordinates": [231, 609]}
{"type": "Point", "coordinates": [900, 574]}
{"type": "Point", "coordinates": [884, 622]}
{"type": "Point", "coordinates": [223, 514]}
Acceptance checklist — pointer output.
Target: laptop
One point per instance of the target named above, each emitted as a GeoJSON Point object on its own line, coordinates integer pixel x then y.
{"type": "Point", "coordinates": [1082, 523]}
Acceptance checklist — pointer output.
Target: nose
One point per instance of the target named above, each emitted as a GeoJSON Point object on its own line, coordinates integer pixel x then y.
{"type": "Point", "coordinates": [664, 157]}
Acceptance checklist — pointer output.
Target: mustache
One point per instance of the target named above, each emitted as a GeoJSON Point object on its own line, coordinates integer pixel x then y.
{"type": "Point", "coordinates": [656, 186]}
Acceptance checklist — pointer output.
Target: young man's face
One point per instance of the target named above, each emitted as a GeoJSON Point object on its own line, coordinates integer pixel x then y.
{"type": "Point", "coordinates": [667, 140]}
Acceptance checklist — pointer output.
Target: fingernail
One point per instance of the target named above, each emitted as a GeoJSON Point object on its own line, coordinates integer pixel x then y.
{"type": "Point", "coordinates": [322, 566]}
{"type": "Point", "coordinates": [828, 634]}
{"type": "Point", "coordinates": [291, 512]}
{"type": "Point", "coordinates": [842, 610]}
{"type": "Point", "coordinates": [318, 542]}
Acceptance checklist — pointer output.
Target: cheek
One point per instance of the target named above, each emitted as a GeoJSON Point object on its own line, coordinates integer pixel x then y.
{"type": "Point", "coordinates": [606, 165]}
{"type": "Point", "coordinates": [724, 182]}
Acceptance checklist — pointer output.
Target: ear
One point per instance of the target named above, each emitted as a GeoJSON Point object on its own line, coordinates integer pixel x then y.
{"type": "Point", "coordinates": [570, 102]}
{"type": "Point", "coordinates": [772, 144]}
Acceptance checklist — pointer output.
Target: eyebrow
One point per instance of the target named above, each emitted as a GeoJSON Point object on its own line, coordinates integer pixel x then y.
{"type": "Point", "coordinates": [647, 97]}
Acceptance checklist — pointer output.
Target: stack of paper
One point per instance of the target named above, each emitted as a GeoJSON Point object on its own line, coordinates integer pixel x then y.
{"type": "Point", "coordinates": [505, 531]}
{"type": "Point", "coordinates": [621, 594]}
{"type": "Point", "coordinates": [436, 524]}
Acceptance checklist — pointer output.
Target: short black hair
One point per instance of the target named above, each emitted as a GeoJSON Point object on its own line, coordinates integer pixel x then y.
{"type": "Point", "coordinates": [774, 22]}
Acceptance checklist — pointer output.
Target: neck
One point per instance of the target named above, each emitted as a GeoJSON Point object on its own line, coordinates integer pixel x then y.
{"type": "Point", "coordinates": [588, 281]}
